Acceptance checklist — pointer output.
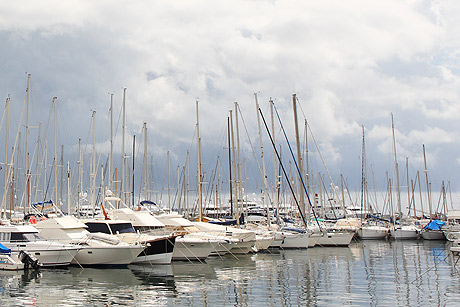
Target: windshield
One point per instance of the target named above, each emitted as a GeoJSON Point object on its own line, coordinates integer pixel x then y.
{"type": "Point", "coordinates": [122, 228]}
{"type": "Point", "coordinates": [25, 237]}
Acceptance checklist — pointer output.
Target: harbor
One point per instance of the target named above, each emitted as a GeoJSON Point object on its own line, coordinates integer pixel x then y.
{"type": "Point", "coordinates": [252, 153]}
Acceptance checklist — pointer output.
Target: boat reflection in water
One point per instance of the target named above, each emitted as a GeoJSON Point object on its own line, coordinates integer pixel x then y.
{"type": "Point", "coordinates": [365, 273]}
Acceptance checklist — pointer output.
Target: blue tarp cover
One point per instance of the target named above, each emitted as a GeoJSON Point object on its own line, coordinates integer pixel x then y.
{"type": "Point", "coordinates": [4, 250]}
{"type": "Point", "coordinates": [435, 225]}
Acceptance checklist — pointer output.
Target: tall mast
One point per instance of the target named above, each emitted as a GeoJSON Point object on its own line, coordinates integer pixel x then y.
{"type": "Point", "coordinates": [237, 214]}
{"type": "Point", "coordinates": [408, 186]}
{"type": "Point", "coordinates": [68, 188]}
{"type": "Point", "coordinates": [239, 183]}
{"type": "Point", "coordinates": [299, 156]}
{"type": "Point", "coordinates": [264, 175]}
{"type": "Point", "coordinates": [427, 184]}
{"type": "Point", "coordinates": [134, 149]}
{"type": "Point", "coordinates": [80, 169]}
{"type": "Point", "coordinates": [200, 196]}
{"type": "Point", "coordinates": [123, 158]}
{"type": "Point", "coordinates": [26, 149]}
{"type": "Point", "coordinates": [230, 165]}
{"type": "Point", "coordinates": [111, 144]}
{"type": "Point", "coordinates": [398, 189]}
{"type": "Point", "coordinates": [93, 166]}
{"type": "Point", "coordinates": [145, 162]}
{"type": "Point", "coordinates": [275, 164]}
{"type": "Point", "coordinates": [37, 164]}
{"type": "Point", "coordinates": [55, 154]}
{"type": "Point", "coordinates": [363, 177]}
{"type": "Point", "coordinates": [420, 191]}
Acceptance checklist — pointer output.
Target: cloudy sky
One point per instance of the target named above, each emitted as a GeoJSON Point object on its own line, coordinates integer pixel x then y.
{"type": "Point", "coordinates": [350, 63]}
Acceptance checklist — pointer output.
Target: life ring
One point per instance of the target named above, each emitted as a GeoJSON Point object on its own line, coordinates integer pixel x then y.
{"type": "Point", "coordinates": [32, 219]}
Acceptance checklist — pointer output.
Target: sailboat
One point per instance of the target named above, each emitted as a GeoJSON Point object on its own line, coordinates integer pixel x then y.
{"type": "Point", "coordinates": [368, 229]}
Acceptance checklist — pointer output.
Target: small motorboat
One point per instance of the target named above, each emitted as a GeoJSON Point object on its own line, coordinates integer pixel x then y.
{"type": "Point", "coordinates": [13, 261]}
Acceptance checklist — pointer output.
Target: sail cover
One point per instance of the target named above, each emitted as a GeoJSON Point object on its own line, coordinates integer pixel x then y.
{"type": "Point", "coordinates": [4, 250]}
{"type": "Point", "coordinates": [435, 225]}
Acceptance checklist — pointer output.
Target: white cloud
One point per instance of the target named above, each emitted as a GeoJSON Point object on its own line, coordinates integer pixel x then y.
{"type": "Point", "coordinates": [350, 62]}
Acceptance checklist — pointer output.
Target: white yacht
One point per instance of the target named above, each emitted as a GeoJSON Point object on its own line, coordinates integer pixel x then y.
{"type": "Point", "coordinates": [158, 249]}
{"type": "Point", "coordinates": [26, 238]}
{"type": "Point", "coordinates": [96, 249]}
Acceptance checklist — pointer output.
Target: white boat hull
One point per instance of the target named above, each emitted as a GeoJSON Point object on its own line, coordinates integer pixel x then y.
{"type": "Point", "coordinates": [372, 233]}
{"type": "Point", "coordinates": [263, 242]}
{"type": "Point", "coordinates": [404, 233]}
{"type": "Point", "coordinates": [243, 247]}
{"type": "Point", "coordinates": [49, 254]}
{"type": "Point", "coordinates": [295, 240]}
{"type": "Point", "coordinates": [333, 238]}
{"type": "Point", "coordinates": [119, 255]}
{"type": "Point", "coordinates": [192, 250]}
{"type": "Point", "coordinates": [433, 235]}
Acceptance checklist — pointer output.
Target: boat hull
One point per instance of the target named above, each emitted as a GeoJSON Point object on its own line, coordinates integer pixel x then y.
{"type": "Point", "coordinates": [48, 254]}
{"type": "Point", "coordinates": [103, 256]}
{"type": "Point", "coordinates": [156, 251]}
{"type": "Point", "coordinates": [333, 238]}
{"type": "Point", "coordinates": [372, 233]}
{"type": "Point", "coordinates": [404, 233]}
{"type": "Point", "coordinates": [295, 240]}
{"type": "Point", "coordinates": [433, 235]}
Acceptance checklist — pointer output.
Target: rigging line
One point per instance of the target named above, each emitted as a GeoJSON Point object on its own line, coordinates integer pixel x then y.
{"type": "Point", "coordinates": [297, 166]}
{"type": "Point", "coordinates": [319, 152]}
{"type": "Point", "coordinates": [284, 171]}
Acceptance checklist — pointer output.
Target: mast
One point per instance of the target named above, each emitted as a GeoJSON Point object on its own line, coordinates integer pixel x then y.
{"type": "Point", "coordinates": [123, 157]}
{"type": "Point", "coordinates": [398, 189]}
{"type": "Point", "coordinates": [93, 166]}
{"type": "Point", "coordinates": [239, 182]}
{"type": "Point", "coordinates": [145, 161]}
{"type": "Point", "coordinates": [275, 164]}
{"type": "Point", "coordinates": [408, 187]}
{"type": "Point", "coordinates": [26, 149]}
{"type": "Point", "coordinates": [111, 144]}
{"type": "Point", "coordinates": [363, 178]}
{"type": "Point", "coordinates": [37, 163]}
{"type": "Point", "coordinates": [264, 171]}
{"type": "Point", "coordinates": [235, 189]}
{"type": "Point", "coordinates": [134, 149]}
{"type": "Point", "coordinates": [299, 156]}
{"type": "Point", "coordinates": [80, 170]}
{"type": "Point", "coordinates": [230, 165]}
{"type": "Point", "coordinates": [200, 196]}
{"type": "Point", "coordinates": [55, 154]}
{"type": "Point", "coordinates": [427, 184]}
{"type": "Point", "coordinates": [420, 190]}
{"type": "Point", "coordinates": [68, 188]}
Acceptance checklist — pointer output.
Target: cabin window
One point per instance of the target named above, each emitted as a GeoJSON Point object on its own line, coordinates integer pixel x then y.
{"type": "Point", "coordinates": [122, 228]}
{"type": "Point", "coordinates": [17, 237]}
{"type": "Point", "coordinates": [32, 236]}
{"type": "Point", "coordinates": [5, 236]}
{"type": "Point", "coordinates": [98, 227]}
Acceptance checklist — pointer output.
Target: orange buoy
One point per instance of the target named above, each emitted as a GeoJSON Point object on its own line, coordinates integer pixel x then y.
{"type": "Point", "coordinates": [32, 219]}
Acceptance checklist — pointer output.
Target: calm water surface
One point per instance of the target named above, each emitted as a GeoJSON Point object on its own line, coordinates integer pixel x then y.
{"type": "Point", "coordinates": [374, 273]}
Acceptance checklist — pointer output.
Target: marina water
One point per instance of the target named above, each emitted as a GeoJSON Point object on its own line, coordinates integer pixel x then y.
{"type": "Point", "coordinates": [369, 273]}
